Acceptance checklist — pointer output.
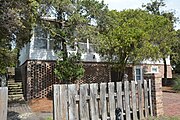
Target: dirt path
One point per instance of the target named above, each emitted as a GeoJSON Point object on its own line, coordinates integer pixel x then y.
{"type": "Point", "coordinates": [171, 102]}
{"type": "Point", "coordinates": [20, 110]}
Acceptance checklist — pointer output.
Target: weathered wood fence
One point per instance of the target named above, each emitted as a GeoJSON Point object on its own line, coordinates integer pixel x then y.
{"type": "Point", "coordinates": [103, 101]}
{"type": "Point", "coordinates": [3, 102]}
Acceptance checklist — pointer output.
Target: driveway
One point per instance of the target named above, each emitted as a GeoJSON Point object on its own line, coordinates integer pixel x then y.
{"type": "Point", "coordinates": [171, 103]}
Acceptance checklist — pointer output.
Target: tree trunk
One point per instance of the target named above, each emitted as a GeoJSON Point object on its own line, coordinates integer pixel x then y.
{"type": "Point", "coordinates": [165, 70]}
{"type": "Point", "coordinates": [64, 49]}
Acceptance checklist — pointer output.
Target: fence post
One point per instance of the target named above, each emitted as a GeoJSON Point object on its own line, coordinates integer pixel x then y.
{"type": "Point", "coordinates": [157, 95]}
{"type": "Point", "coordinates": [3, 102]}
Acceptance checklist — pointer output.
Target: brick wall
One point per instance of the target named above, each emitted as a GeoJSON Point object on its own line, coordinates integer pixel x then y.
{"type": "Point", "coordinates": [96, 72]}
{"type": "Point", "coordinates": [160, 70]}
{"type": "Point", "coordinates": [38, 77]}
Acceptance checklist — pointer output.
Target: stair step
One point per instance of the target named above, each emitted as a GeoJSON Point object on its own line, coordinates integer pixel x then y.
{"type": "Point", "coordinates": [18, 95]}
{"type": "Point", "coordinates": [11, 81]}
{"type": "Point", "coordinates": [14, 93]}
{"type": "Point", "coordinates": [14, 82]}
{"type": "Point", "coordinates": [15, 90]}
{"type": "Point", "coordinates": [11, 88]}
{"type": "Point", "coordinates": [15, 97]}
{"type": "Point", "coordinates": [14, 86]}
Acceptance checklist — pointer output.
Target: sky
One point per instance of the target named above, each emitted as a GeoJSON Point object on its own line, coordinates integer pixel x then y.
{"type": "Point", "coordinates": [171, 5]}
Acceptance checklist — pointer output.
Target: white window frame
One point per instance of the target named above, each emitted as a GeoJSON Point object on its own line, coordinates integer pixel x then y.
{"type": "Point", "coordinates": [156, 67]}
{"type": "Point", "coordinates": [141, 72]}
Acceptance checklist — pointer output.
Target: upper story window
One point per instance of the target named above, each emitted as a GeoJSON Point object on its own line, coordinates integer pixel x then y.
{"type": "Point", "coordinates": [40, 43]}
{"type": "Point", "coordinates": [42, 39]}
{"type": "Point", "coordinates": [154, 69]}
{"type": "Point", "coordinates": [40, 32]}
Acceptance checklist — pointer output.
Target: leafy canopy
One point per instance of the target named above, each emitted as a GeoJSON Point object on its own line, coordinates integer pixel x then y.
{"type": "Point", "coordinates": [75, 21]}
{"type": "Point", "coordinates": [17, 18]}
{"type": "Point", "coordinates": [131, 37]}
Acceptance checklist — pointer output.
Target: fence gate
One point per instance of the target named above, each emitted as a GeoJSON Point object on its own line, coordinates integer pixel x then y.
{"type": "Point", "coordinates": [104, 101]}
{"type": "Point", "coordinates": [3, 102]}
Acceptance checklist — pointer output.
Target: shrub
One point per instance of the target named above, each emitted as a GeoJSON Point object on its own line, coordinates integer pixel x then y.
{"type": "Point", "coordinates": [70, 69]}
{"type": "Point", "coordinates": [176, 85]}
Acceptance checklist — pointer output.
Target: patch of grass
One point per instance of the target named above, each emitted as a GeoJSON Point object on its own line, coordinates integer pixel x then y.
{"type": "Point", "coordinates": [49, 118]}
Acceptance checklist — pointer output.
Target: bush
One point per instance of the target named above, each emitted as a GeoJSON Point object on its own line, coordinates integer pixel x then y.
{"type": "Point", "coordinates": [70, 69]}
{"type": "Point", "coordinates": [176, 85]}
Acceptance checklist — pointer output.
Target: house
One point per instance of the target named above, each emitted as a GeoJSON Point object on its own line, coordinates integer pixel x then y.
{"type": "Point", "coordinates": [38, 58]}
{"type": "Point", "coordinates": [37, 62]}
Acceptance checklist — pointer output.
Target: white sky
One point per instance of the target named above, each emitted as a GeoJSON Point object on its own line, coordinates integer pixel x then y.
{"type": "Point", "coordinates": [171, 5]}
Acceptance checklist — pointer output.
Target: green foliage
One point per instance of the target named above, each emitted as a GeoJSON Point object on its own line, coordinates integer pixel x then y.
{"type": "Point", "coordinates": [154, 6]}
{"type": "Point", "coordinates": [176, 53]}
{"type": "Point", "coordinates": [176, 85]}
{"type": "Point", "coordinates": [73, 24]}
{"type": "Point", "coordinates": [49, 118]}
{"type": "Point", "coordinates": [132, 36]}
{"type": "Point", "coordinates": [70, 69]}
{"type": "Point", "coordinates": [17, 18]}
{"type": "Point", "coordinates": [165, 37]}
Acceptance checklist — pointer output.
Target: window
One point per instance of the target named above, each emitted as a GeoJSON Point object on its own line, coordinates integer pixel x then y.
{"type": "Point", "coordinates": [40, 43]}
{"type": "Point", "coordinates": [82, 47]}
{"type": "Point", "coordinates": [138, 73]}
{"type": "Point", "coordinates": [40, 32]}
{"type": "Point", "coordinates": [42, 39]}
{"type": "Point", "coordinates": [154, 69]}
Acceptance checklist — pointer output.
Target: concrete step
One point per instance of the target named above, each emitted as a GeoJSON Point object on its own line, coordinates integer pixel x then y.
{"type": "Point", "coordinates": [11, 81]}
{"type": "Point", "coordinates": [15, 93]}
{"type": "Point", "coordinates": [15, 90]}
{"type": "Point", "coordinates": [15, 97]}
{"type": "Point", "coordinates": [15, 87]}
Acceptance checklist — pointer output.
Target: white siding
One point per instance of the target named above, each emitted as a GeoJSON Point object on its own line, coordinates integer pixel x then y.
{"type": "Point", "coordinates": [24, 53]}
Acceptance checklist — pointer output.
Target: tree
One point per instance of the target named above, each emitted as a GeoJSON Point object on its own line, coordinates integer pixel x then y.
{"type": "Point", "coordinates": [130, 37]}
{"type": "Point", "coordinates": [164, 39]}
{"type": "Point", "coordinates": [17, 18]}
{"type": "Point", "coordinates": [75, 21]}
{"type": "Point", "coordinates": [175, 57]}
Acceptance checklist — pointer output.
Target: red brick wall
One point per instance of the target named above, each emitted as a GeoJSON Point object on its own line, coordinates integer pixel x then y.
{"type": "Point", "coordinates": [38, 77]}
{"type": "Point", "coordinates": [160, 70]}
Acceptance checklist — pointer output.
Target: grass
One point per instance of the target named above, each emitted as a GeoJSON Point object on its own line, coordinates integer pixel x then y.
{"type": "Point", "coordinates": [49, 118]}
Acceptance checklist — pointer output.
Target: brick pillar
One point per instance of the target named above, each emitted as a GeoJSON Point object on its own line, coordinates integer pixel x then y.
{"type": "Point", "coordinates": [157, 95]}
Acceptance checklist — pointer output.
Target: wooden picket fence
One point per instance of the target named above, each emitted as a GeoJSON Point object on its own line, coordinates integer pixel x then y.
{"type": "Point", "coordinates": [102, 101]}
{"type": "Point", "coordinates": [3, 102]}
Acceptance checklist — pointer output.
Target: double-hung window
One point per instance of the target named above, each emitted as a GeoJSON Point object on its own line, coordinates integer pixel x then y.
{"type": "Point", "coordinates": [138, 73]}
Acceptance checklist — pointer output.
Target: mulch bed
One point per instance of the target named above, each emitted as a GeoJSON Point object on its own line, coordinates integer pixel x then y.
{"type": "Point", "coordinates": [41, 105]}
